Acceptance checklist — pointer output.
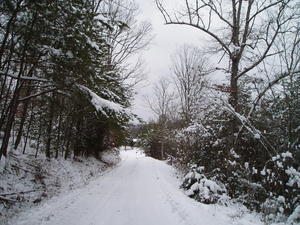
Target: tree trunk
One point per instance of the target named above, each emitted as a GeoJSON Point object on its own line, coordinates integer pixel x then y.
{"type": "Point", "coordinates": [68, 135]}
{"type": "Point", "coordinates": [8, 29]}
{"type": "Point", "coordinates": [39, 137]}
{"type": "Point", "coordinates": [28, 130]}
{"type": "Point", "coordinates": [23, 117]}
{"type": "Point", "coordinates": [77, 147]}
{"type": "Point", "coordinates": [10, 121]}
{"type": "Point", "coordinates": [49, 129]}
{"type": "Point", "coordinates": [162, 149]}
{"type": "Point", "coordinates": [6, 108]}
{"type": "Point", "coordinates": [58, 136]}
{"type": "Point", "coordinates": [233, 98]}
{"type": "Point", "coordinates": [14, 102]}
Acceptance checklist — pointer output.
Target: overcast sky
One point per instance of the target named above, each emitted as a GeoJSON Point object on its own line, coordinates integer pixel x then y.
{"type": "Point", "coordinates": [167, 38]}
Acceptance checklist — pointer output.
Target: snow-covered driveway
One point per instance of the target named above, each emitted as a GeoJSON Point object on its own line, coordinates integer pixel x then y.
{"type": "Point", "coordinates": [139, 191]}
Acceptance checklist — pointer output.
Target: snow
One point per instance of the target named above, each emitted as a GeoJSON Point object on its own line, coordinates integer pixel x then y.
{"type": "Point", "coordinates": [70, 54]}
{"type": "Point", "coordinates": [294, 177]}
{"type": "Point", "coordinates": [234, 49]}
{"type": "Point", "coordinates": [54, 51]}
{"type": "Point", "coordinates": [93, 44]}
{"type": "Point", "coordinates": [257, 136]}
{"type": "Point", "coordinates": [100, 103]}
{"type": "Point", "coordinates": [295, 215]}
{"type": "Point", "coordinates": [203, 189]}
{"type": "Point", "coordinates": [140, 190]}
{"type": "Point", "coordinates": [287, 154]}
{"type": "Point", "coordinates": [263, 172]}
{"type": "Point", "coordinates": [234, 154]}
{"type": "Point", "coordinates": [213, 186]}
{"type": "Point", "coordinates": [43, 178]}
{"type": "Point", "coordinates": [110, 157]}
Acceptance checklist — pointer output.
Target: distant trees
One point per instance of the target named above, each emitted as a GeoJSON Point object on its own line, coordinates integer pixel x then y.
{"type": "Point", "coordinates": [244, 135]}
{"type": "Point", "coordinates": [189, 69]}
{"type": "Point", "coordinates": [161, 106]}
{"type": "Point", "coordinates": [61, 85]}
{"type": "Point", "coordinates": [244, 33]}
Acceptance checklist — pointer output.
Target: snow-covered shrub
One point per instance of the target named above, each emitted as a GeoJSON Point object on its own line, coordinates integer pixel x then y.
{"type": "Point", "coordinates": [273, 208]}
{"type": "Point", "coordinates": [199, 187]}
{"type": "Point", "coordinates": [255, 154]}
{"type": "Point", "coordinates": [282, 181]}
{"type": "Point", "coordinates": [294, 218]}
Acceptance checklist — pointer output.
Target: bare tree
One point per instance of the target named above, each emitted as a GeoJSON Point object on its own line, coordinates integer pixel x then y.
{"type": "Point", "coordinates": [161, 105]}
{"type": "Point", "coordinates": [163, 97]}
{"type": "Point", "coordinates": [126, 39]}
{"type": "Point", "coordinates": [288, 64]}
{"type": "Point", "coordinates": [189, 68]}
{"type": "Point", "coordinates": [244, 34]}
{"type": "Point", "coordinates": [244, 31]}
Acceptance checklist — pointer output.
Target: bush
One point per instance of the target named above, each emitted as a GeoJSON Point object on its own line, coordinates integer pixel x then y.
{"type": "Point", "coordinates": [202, 189]}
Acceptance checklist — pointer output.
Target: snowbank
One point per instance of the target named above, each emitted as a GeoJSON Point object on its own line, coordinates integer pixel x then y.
{"type": "Point", "coordinates": [139, 191]}
{"type": "Point", "coordinates": [28, 180]}
{"type": "Point", "coordinates": [204, 190]}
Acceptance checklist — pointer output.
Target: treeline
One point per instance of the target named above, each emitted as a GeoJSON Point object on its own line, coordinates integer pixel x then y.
{"type": "Point", "coordinates": [65, 82]}
{"type": "Point", "coordinates": [239, 138]}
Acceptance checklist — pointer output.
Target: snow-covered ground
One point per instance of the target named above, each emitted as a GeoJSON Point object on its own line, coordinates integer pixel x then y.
{"type": "Point", "coordinates": [30, 181]}
{"type": "Point", "coordinates": [139, 191]}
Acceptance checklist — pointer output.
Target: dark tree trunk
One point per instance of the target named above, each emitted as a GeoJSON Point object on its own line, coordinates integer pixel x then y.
{"type": "Point", "coordinates": [233, 100]}
{"type": "Point", "coordinates": [68, 136]}
{"type": "Point", "coordinates": [23, 118]}
{"type": "Point", "coordinates": [49, 129]}
{"type": "Point", "coordinates": [14, 102]}
{"type": "Point", "coordinates": [8, 29]}
{"type": "Point", "coordinates": [39, 136]}
{"type": "Point", "coordinates": [28, 129]}
{"type": "Point", "coordinates": [58, 136]}
{"type": "Point", "coordinates": [7, 69]}
{"type": "Point", "coordinates": [10, 121]}
{"type": "Point", "coordinates": [77, 146]}
{"type": "Point", "coordinates": [6, 108]}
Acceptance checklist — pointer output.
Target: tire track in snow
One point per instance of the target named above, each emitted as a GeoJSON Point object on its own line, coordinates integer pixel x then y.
{"type": "Point", "coordinates": [112, 192]}
{"type": "Point", "coordinates": [175, 206]}
{"type": "Point", "coordinates": [139, 191]}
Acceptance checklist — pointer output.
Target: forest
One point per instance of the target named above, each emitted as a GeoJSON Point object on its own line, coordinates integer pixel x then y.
{"type": "Point", "coordinates": [239, 138]}
{"type": "Point", "coordinates": [227, 115]}
{"type": "Point", "coordinates": [66, 86]}
{"type": "Point", "coordinates": [65, 82]}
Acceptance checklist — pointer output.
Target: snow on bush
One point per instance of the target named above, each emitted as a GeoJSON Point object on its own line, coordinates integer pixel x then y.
{"type": "Point", "coordinates": [199, 187]}
{"type": "Point", "coordinates": [294, 218]}
{"type": "Point", "coordinates": [110, 157]}
{"type": "Point", "coordinates": [101, 104]}
{"type": "Point", "coordinates": [294, 177]}
{"type": "Point", "coordinates": [282, 178]}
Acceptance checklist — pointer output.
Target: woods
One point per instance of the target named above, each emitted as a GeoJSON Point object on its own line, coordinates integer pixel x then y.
{"type": "Point", "coordinates": [65, 78]}
{"type": "Point", "coordinates": [66, 86]}
{"type": "Point", "coordinates": [239, 137]}
{"type": "Point", "coordinates": [227, 113]}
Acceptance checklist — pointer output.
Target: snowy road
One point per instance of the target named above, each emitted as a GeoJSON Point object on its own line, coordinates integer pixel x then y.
{"type": "Point", "coordinates": [139, 191]}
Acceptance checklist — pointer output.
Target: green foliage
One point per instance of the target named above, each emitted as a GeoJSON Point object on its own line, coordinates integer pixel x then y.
{"type": "Point", "coordinates": [62, 45]}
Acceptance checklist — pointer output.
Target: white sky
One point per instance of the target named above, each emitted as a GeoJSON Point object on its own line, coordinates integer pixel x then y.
{"type": "Point", "coordinates": [167, 38]}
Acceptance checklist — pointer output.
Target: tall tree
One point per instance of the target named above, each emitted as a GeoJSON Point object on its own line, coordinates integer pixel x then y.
{"type": "Point", "coordinates": [243, 31]}
{"type": "Point", "coordinates": [189, 69]}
